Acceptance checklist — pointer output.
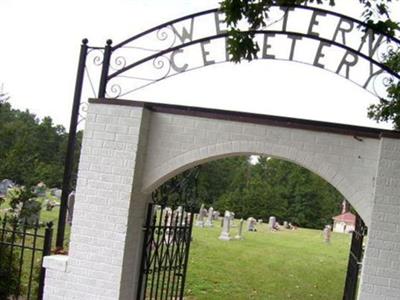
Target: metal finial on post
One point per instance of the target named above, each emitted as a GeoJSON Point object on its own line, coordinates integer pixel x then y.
{"type": "Point", "coordinates": [105, 68]}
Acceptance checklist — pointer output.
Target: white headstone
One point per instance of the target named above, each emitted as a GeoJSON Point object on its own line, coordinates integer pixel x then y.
{"type": "Point", "coordinates": [286, 225]}
{"type": "Point", "coordinates": [327, 234]}
{"type": "Point", "coordinates": [239, 236]}
{"type": "Point", "coordinates": [70, 207]}
{"type": "Point", "coordinates": [251, 224]}
{"type": "Point", "coordinates": [271, 223]}
{"type": "Point", "coordinates": [232, 219]}
{"type": "Point", "coordinates": [200, 217]}
{"type": "Point", "coordinates": [226, 227]}
{"type": "Point", "coordinates": [209, 221]}
{"type": "Point", "coordinates": [169, 220]}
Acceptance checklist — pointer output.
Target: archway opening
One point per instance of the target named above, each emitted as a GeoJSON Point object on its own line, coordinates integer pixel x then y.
{"type": "Point", "coordinates": [292, 258]}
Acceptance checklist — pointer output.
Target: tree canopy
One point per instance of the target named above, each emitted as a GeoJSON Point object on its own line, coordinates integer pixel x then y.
{"type": "Point", "coordinates": [31, 150]}
{"type": "Point", "coordinates": [269, 187]}
{"type": "Point", "coordinates": [375, 13]}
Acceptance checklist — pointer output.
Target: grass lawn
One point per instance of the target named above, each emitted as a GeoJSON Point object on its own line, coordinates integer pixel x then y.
{"type": "Point", "coordinates": [45, 217]}
{"type": "Point", "coordinates": [267, 265]}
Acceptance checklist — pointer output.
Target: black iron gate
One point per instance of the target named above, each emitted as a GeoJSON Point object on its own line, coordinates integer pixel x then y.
{"type": "Point", "coordinates": [165, 253]}
{"type": "Point", "coordinates": [355, 259]}
{"type": "Point", "coordinates": [22, 248]}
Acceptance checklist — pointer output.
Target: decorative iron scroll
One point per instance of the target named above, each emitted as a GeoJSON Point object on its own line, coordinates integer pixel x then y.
{"type": "Point", "coordinates": [309, 35]}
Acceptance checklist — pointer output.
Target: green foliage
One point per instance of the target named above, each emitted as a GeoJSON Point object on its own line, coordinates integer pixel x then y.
{"type": "Point", "coordinates": [270, 187]}
{"type": "Point", "coordinates": [8, 272]}
{"type": "Point", "coordinates": [23, 203]}
{"type": "Point", "coordinates": [241, 44]}
{"type": "Point", "coordinates": [283, 189]}
{"type": "Point", "coordinates": [31, 150]}
{"type": "Point", "coordinates": [389, 109]}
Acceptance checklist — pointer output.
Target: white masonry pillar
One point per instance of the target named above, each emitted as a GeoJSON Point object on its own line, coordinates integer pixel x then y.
{"type": "Point", "coordinates": [109, 210]}
{"type": "Point", "coordinates": [381, 267]}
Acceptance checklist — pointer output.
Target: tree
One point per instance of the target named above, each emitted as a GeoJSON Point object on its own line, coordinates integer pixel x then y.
{"type": "Point", "coordinates": [241, 45]}
{"type": "Point", "coordinates": [31, 150]}
{"type": "Point", "coordinates": [269, 187]}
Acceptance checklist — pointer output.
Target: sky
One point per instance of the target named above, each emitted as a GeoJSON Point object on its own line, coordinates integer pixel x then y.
{"type": "Point", "coordinates": [39, 56]}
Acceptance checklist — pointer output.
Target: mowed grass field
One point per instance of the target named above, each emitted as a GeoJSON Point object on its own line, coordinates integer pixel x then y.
{"type": "Point", "coordinates": [266, 265]}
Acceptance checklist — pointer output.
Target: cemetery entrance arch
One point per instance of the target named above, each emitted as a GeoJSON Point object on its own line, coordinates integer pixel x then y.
{"type": "Point", "coordinates": [130, 147]}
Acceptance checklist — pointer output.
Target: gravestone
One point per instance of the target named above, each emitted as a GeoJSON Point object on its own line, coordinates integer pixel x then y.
{"type": "Point", "coordinates": [260, 221]}
{"type": "Point", "coordinates": [5, 184]}
{"type": "Point", "coordinates": [216, 214]}
{"type": "Point", "coordinates": [209, 221]}
{"type": "Point", "coordinates": [179, 216]}
{"type": "Point", "coordinates": [226, 227]}
{"type": "Point", "coordinates": [56, 192]}
{"type": "Point", "coordinates": [239, 235]}
{"type": "Point", "coordinates": [327, 234]}
{"type": "Point", "coordinates": [251, 224]}
{"type": "Point", "coordinates": [50, 203]}
{"type": "Point", "coordinates": [286, 225]}
{"type": "Point", "coordinates": [200, 217]}
{"type": "Point", "coordinates": [272, 223]}
{"type": "Point", "coordinates": [30, 212]}
{"type": "Point", "coordinates": [70, 207]}
{"type": "Point", "coordinates": [169, 220]}
{"type": "Point", "coordinates": [232, 223]}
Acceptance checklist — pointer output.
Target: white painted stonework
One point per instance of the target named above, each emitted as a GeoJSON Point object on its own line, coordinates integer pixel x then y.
{"type": "Point", "coordinates": [130, 148]}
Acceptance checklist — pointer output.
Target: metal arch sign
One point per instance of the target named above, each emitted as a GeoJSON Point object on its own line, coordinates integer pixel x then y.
{"type": "Point", "coordinates": [317, 37]}
{"type": "Point", "coordinates": [313, 36]}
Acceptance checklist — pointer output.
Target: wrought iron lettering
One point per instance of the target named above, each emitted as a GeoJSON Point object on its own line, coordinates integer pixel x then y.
{"type": "Point", "coordinates": [320, 55]}
{"type": "Point", "coordinates": [343, 30]}
{"type": "Point", "coordinates": [186, 35]}
{"type": "Point", "coordinates": [174, 65]}
{"type": "Point", "coordinates": [345, 62]}
{"type": "Point", "coordinates": [218, 22]}
{"type": "Point", "coordinates": [294, 38]}
{"type": "Point", "coordinates": [205, 53]}
{"type": "Point", "coordinates": [266, 46]}
{"type": "Point", "coordinates": [189, 46]}
{"type": "Point", "coordinates": [314, 22]}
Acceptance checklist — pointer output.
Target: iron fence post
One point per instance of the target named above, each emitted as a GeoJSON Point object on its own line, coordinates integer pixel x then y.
{"type": "Point", "coordinates": [46, 251]}
{"type": "Point", "coordinates": [69, 157]}
{"type": "Point", "coordinates": [104, 70]}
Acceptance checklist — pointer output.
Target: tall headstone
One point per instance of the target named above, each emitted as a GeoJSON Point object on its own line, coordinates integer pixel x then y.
{"type": "Point", "coordinates": [232, 223]}
{"type": "Point", "coordinates": [239, 235]}
{"type": "Point", "coordinates": [226, 227]}
{"type": "Point", "coordinates": [251, 224]}
{"type": "Point", "coordinates": [200, 217]}
{"type": "Point", "coordinates": [209, 221]}
{"type": "Point", "coordinates": [178, 215]}
{"type": "Point", "coordinates": [168, 221]}
{"type": "Point", "coordinates": [327, 234]}
{"type": "Point", "coordinates": [70, 207]}
{"type": "Point", "coordinates": [272, 223]}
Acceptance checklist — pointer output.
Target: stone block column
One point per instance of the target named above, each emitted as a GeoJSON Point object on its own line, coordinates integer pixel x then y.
{"type": "Point", "coordinates": [381, 267]}
{"type": "Point", "coordinates": [109, 208]}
